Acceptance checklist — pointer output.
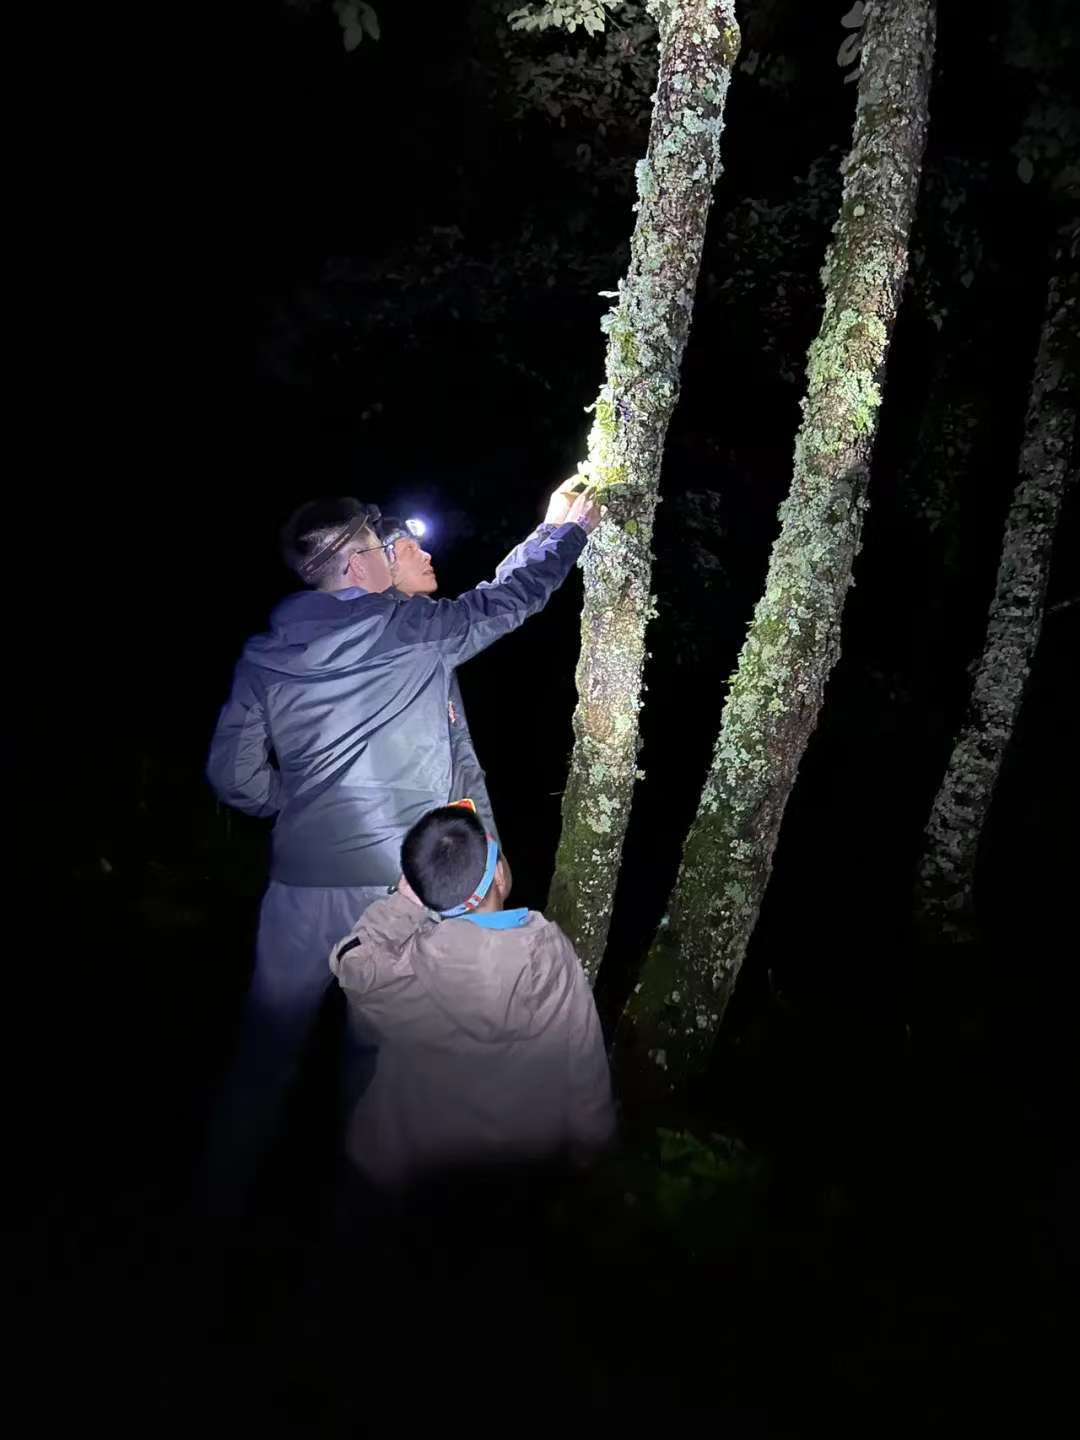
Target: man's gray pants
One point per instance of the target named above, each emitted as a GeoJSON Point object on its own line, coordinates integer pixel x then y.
{"type": "Point", "coordinates": [298, 927]}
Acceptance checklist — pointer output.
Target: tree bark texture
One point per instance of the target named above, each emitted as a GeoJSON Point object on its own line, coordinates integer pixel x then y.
{"type": "Point", "coordinates": [793, 641]}
{"type": "Point", "coordinates": [647, 331]}
{"type": "Point", "coordinates": [946, 881]}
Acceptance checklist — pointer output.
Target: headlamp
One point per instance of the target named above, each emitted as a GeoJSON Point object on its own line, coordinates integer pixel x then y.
{"type": "Point", "coordinates": [390, 528]}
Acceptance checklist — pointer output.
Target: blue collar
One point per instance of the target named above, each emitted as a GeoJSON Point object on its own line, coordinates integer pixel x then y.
{"type": "Point", "coordinates": [500, 919]}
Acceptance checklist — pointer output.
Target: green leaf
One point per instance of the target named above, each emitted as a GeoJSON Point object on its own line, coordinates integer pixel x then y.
{"type": "Point", "coordinates": [1026, 170]}
{"type": "Point", "coordinates": [675, 1145]}
{"type": "Point", "coordinates": [369, 21]}
{"type": "Point", "coordinates": [353, 36]}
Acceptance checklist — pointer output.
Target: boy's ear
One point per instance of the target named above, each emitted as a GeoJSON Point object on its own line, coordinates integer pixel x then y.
{"type": "Point", "coordinates": [404, 888]}
{"type": "Point", "coordinates": [504, 875]}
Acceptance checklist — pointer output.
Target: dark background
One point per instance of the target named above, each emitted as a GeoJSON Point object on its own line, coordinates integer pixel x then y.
{"type": "Point", "coordinates": [425, 265]}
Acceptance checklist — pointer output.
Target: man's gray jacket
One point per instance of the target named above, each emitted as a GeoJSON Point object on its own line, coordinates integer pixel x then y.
{"type": "Point", "coordinates": [340, 719]}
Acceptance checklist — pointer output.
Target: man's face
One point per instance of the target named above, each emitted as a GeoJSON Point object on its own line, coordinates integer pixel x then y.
{"type": "Point", "coordinates": [370, 569]}
{"type": "Point", "coordinates": [412, 571]}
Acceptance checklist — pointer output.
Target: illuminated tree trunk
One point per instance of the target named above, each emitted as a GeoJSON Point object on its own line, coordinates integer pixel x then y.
{"type": "Point", "coordinates": [647, 331]}
{"type": "Point", "coordinates": [945, 892]}
{"type": "Point", "coordinates": [794, 638]}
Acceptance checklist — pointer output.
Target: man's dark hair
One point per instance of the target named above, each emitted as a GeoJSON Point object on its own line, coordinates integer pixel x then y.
{"type": "Point", "coordinates": [390, 527]}
{"type": "Point", "coordinates": [313, 527]}
{"type": "Point", "coordinates": [444, 856]}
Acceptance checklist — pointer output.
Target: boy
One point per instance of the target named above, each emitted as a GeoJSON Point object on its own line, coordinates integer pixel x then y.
{"type": "Point", "coordinates": [489, 1047]}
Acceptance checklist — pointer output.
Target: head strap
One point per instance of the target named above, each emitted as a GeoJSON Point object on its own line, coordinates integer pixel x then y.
{"type": "Point", "coordinates": [311, 567]}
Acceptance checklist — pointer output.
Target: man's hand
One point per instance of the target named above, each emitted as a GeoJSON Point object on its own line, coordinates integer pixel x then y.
{"type": "Point", "coordinates": [585, 511]}
{"type": "Point", "coordinates": [561, 500]}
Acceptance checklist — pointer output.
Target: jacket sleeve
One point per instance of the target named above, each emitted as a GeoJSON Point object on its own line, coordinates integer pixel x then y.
{"type": "Point", "coordinates": [467, 780]}
{"type": "Point", "coordinates": [590, 1108]}
{"type": "Point", "coordinates": [379, 934]}
{"type": "Point", "coordinates": [239, 767]}
{"type": "Point", "coordinates": [523, 584]}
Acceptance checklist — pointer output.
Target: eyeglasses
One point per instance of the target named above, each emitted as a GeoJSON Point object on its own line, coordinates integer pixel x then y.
{"type": "Point", "coordinates": [412, 529]}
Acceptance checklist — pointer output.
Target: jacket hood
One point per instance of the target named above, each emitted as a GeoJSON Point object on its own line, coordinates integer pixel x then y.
{"type": "Point", "coordinates": [492, 984]}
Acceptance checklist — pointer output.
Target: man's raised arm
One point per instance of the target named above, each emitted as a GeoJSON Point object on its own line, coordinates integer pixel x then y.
{"type": "Point", "coordinates": [524, 582]}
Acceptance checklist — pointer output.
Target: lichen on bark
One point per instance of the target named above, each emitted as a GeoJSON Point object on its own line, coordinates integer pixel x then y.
{"type": "Point", "coordinates": [945, 892]}
{"type": "Point", "coordinates": [793, 641]}
{"type": "Point", "coordinates": [647, 331]}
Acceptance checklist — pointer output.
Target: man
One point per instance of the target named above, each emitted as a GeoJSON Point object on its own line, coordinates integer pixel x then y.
{"type": "Point", "coordinates": [338, 724]}
{"type": "Point", "coordinates": [412, 573]}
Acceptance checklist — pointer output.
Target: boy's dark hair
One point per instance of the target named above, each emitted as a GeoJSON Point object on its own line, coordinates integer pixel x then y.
{"type": "Point", "coordinates": [444, 856]}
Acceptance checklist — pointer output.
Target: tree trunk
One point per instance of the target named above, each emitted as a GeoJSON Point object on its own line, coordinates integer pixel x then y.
{"type": "Point", "coordinates": [946, 883]}
{"type": "Point", "coordinates": [794, 639]}
{"type": "Point", "coordinates": [647, 332]}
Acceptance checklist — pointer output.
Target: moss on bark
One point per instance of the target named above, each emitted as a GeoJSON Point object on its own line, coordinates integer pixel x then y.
{"type": "Point", "coordinates": [945, 893]}
{"type": "Point", "coordinates": [647, 332]}
{"type": "Point", "coordinates": [794, 638]}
